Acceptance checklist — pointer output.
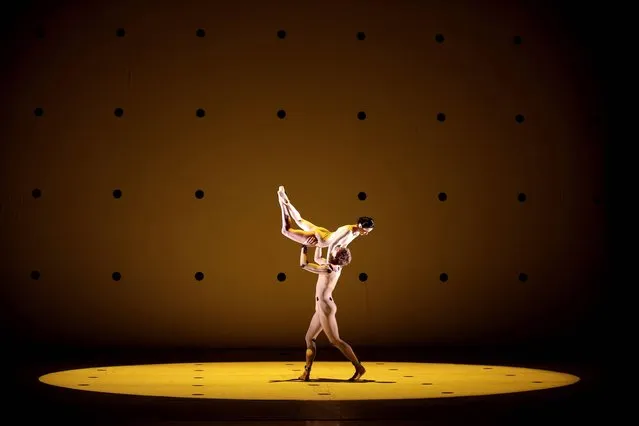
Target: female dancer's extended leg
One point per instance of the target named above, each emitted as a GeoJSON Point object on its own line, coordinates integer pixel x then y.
{"type": "Point", "coordinates": [293, 212]}
{"type": "Point", "coordinates": [297, 235]}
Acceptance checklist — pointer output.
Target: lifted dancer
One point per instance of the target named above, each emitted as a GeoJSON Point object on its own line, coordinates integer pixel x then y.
{"type": "Point", "coordinates": [324, 318]}
{"type": "Point", "coordinates": [316, 236]}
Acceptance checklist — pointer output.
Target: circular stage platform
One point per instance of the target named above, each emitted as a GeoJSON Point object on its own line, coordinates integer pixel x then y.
{"type": "Point", "coordinates": [277, 381]}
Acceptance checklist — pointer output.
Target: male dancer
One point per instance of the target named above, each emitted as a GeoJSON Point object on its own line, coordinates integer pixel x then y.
{"type": "Point", "coordinates": [324, 318]}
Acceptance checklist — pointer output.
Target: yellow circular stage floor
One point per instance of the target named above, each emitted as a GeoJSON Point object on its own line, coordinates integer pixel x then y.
{"type": "Point", "coordinates": [277, 381]}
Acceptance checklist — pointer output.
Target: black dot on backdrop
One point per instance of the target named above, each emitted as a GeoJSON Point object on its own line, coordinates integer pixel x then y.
{"type": "Point", "coordinates": [281, 34]}
{"type": "Point", "coordinates": [363, 277]}
{"type": "Point", "coordinates": [521, 197]}
{"type": "Point", "coordinates": [443, 277]}
{"type": "Point", "coordinates": [200, 112]}
{"type": "Point", "coordinates": [442, 196]}
{"type": "Point", "coordinates": [36, 193]}
{"type": "Point", "coordinates": [519, 118]}
{"type": "Point", "coordinates": [439, 38]}
{"type": "Point", "coordinates": [39, 31]}
{"type": "Point", "coordinates": [281, 114]}
{"type": "Point", "coordinates": [199, 194]}
{"type": "Point", "coordinates": [117, 193]}
{"type": "Point", "coordinates": [35, 275]}
{"type": "Point", "coordinates": [361, 35]}
{"type": "Point", "coordinates": [517, 39]}
{"type": "Point", "coordinates": [120, 32]}
{"type": "Point", "coordinates": [523, 277]}
{"type": "Point", "coordinates": [281, 276]}
{"type": "Point", "coordinates": [361, 196]}
{"type": "Point", "coordinates": [199, 276]}
{"type": "Point", "coordinates": [116, 276]}
{"type": "Point", "coordinates": [441, 117]}
{"type": "Point", "coordinates": [361, 115]}
{"type": "Point", "coordinates": [38, 112]}
{"type": "Point", "coordinates": [119, 112]}
{"type": "Point", "coordinates": [200, 32]}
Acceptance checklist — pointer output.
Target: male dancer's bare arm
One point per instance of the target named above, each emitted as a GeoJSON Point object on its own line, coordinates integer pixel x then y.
{"type": "Point", "coordinates": [318, 257]}
{"type": "Point", "coordinates": [313, 267]}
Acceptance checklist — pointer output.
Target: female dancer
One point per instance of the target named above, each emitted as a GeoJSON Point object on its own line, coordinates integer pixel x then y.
{"type": "Point", "coordinates": [316, 236]}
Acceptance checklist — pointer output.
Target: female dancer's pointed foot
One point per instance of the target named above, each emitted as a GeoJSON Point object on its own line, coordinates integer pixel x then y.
{"type": "Point", "coordinates": [281, 193]}
{"type": "Point", "coordinates": [359, 372]}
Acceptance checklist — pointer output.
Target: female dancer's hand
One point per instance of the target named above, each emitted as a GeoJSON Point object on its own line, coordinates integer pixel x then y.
{"type": "Point", "coordinates": [311, 241]}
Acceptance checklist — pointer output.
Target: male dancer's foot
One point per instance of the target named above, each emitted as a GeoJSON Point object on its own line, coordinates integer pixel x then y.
{"type": "Point", "coordinates": [359, 372]}
{"type": "Point", "coordinates": [306, 375]}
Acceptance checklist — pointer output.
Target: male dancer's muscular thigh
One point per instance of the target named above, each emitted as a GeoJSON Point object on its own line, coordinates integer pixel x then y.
{"type": "Point", "coordinates": [326, 307]}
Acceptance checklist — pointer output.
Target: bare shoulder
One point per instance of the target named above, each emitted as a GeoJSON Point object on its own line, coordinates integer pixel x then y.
{"type": "Point", "coordinates": [345, 229]}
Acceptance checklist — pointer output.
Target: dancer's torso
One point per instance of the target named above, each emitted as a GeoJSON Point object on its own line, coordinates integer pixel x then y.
{"type": "Point", "coordinates": [326, 283]}
{"type": "Point", "coordinates": [326, 237]}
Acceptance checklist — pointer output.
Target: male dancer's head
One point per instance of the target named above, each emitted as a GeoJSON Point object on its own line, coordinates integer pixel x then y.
{"type": "Point", "coordinates": [340, 256]}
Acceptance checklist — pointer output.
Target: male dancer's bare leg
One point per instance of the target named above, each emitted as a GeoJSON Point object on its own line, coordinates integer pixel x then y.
{"type": "Point", "coordinates": [329, 325]}
{"type": "Point", "coordinates": [314, 329]}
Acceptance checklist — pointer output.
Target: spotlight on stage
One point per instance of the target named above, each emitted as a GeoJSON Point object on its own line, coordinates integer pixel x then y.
{"type": "Point", "coordinates": [329, 380]}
